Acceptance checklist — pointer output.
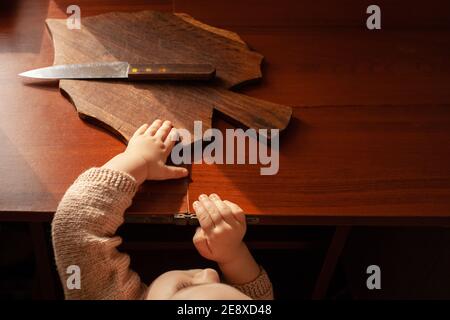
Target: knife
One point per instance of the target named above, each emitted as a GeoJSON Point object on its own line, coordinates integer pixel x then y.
{"type": "Point", "coordinates": [124, 70]}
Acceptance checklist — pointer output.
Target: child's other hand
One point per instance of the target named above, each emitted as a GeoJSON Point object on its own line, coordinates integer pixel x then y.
{"type": "Point", "coordinates": [222, 228]}
{"type": "Point", "coordinates": [146, 154]}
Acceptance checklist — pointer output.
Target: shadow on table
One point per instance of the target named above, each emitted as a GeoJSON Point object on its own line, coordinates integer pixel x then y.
{"type": "Point", "coordinates": [22, 25]}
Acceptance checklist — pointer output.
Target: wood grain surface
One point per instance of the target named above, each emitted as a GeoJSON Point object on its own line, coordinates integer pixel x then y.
{"type": "Point", "coordinates": [45, 146]}
{"type": "Point", "coordinates": [320, 13]}
{"type": "Point", "coordinates": [158, 37]}
{"type": "Point", "coordinates": [347, 164]}
{"type": "Point", "coordinates": [368, 142]}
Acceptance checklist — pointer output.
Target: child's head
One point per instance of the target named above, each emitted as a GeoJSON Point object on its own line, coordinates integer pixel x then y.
{"type": "Point", "coordinates": [192, 284]}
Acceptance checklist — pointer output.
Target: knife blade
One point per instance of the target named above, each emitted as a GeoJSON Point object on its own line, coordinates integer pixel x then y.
{"type": "Point", "coordinates": [124, 70]}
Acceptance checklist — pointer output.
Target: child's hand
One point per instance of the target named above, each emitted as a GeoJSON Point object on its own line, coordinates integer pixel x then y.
{"type": "Point", "coordinates": [222, 228]}
{"type": "Point", "coordinates": [146, 154]}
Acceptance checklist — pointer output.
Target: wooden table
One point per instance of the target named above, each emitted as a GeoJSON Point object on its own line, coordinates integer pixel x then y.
{"type": "Point", "coordinates": [369, 141]}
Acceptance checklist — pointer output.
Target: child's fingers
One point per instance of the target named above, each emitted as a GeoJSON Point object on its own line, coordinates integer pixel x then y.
{"type": "Point", "coordinates": [164, 130]}
{"type": "Point", "coordinates": [201, 244]}
{"type": "Point", "coordinates": [153, 127]}
{"type": "Point", "coordinates": [172, 172]}
{"type": "Point", "coordinates": [140, 130]}
{"type": "Point", "coordinates": [203, 216]}
{"type": "Point", "coordinates": [224, 209]}
{"type": "Point", "coordinates": [211, 208]}
{"type": "Point", "coordinates": [238, 213]}
{"type": "Point", "coordinates": [171, 139]}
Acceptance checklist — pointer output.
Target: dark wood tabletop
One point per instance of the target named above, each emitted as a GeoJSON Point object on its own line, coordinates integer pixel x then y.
{"type": "Point", "coordinates": [368, 143]}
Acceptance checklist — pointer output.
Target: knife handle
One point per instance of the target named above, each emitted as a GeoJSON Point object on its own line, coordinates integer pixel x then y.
{"type": "Point", "coordinates": [171, 72]}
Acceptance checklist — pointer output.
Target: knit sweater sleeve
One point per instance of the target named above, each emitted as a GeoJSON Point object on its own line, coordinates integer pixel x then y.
{"type": "Point", "coordinates": [83, 234]}
{"type": "Point", "coordinates": [258, 289]}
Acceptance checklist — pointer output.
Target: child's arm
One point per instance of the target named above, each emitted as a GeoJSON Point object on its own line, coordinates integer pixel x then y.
{"type": "Point", "coordinates": [92, 209]}
{"type": "Point", "coordinates": [219, 238]}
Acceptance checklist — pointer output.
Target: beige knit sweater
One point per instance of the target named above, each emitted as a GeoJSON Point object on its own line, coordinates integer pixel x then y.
{"type": "Point", "coordinates": [83, 232]}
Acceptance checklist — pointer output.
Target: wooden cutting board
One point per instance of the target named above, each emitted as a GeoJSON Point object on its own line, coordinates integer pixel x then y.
{"type": "Point", "coordinates": [156, 37]}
